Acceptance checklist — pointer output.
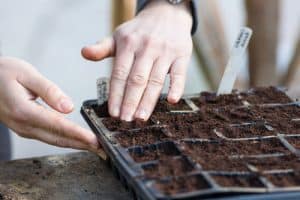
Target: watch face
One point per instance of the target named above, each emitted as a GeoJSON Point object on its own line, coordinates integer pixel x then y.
{"type": "Point", "coordinates": [175, 1]}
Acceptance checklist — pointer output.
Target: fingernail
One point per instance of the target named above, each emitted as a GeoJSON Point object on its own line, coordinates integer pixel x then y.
{"type": "Point", "coordinates": [66, 105]}
{"type": "Point", "coordinates": [173, 97]}
{"type": "Point", "coordinates": [142, 114]}
{"type": "Point", "coordinates": [115, 112]}
{"type": "Point", "coordinates": [126, 117]}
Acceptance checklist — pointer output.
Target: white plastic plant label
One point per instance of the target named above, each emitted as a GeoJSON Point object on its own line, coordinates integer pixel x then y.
{"type": "Point", "coordinates": [235, 61]}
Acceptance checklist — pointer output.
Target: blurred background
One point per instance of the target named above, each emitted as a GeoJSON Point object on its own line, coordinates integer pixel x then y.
{"type": "Point", "coordinates": [50, 34]}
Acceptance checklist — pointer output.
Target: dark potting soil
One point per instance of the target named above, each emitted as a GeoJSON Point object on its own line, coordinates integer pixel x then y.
{"type": "Point", "coordinates": [182, 185]}
{"type": "Point", "coordinates": [177, 118]}
{"type": "Point", "coordinates": [260, 95]}
{"type": "Point", "coordinates": [168, 167]}
{"type": "Point", "coordinates": [154, 152]}
{"type": "Point", "coordinates": [234, 148]}
{"type": "Point", "coordinates": [164, 106]}
{"type": "Point", "coordinates": [220, 163]}
{"type": "Point", "coordinates": [294, 141]}
{"type": "Point", "coordinates": [285, 126]}
{"type": "Point", "coordinates": [238, 181]}
{"type": "Point", "coordinates": [263, 95]}
{"type": "Point", "coordinates": [275, 163]}
{"type": "Point", "coordinates": [113, 124]}
{"type": "Point", "coordinates": [246, 131]}
{"type": "Point", "coordinates": [210, 99]}
{"type": "Point", "coordinates": [201, 130]}
{"type": "Point", "coordinates": [282, 118]}
{"type": "Point", "coordinates": [277, 113]}
{"type": "Point", "coordinates": [237, 115]}
{"type": "Point", "coordinates": [284, 179]}
{"type": "Point", "coordinates": [140, 137]}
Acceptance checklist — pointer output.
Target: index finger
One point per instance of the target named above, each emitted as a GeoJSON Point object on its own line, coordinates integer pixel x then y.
{"type": "Point", "coordinates": [55, 125]}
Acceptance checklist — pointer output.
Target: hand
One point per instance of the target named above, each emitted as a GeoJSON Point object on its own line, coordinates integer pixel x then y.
{"type": "Point", "coordinates": [155, 42]}
{"type": "Point", "coordinates": [21, 85]}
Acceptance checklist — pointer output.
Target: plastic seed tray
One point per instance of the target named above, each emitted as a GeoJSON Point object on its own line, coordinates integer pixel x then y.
{"type": "Point", "coordinates": [205, 146]}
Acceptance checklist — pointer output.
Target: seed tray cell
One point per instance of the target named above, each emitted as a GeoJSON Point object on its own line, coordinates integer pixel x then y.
{"type": "Point", "coordinates": [164, 106]}
{"type": "Point", "coordinates": [141, 137]}
{"type": "Point", "coordinates": [154, 152]}
{"type": "Point", "coordinates": [262, 95]}
{"type": "Point", "coordinates": [238, 181]}
{"type": "Point", "coordinates": [175, 166]}
{"type": "Point", "coordinates": [286, 180]}
{"type": "Point", "coordinates": [205, 145]}
{"type": "Point", "coordinates": [117, 125]}
{"type": "Point", "coordinates": [284, 162]}
{"type": "Point", "coordinates": [235, 148]}
{"type": "Point", "coordinates": [250, 130]}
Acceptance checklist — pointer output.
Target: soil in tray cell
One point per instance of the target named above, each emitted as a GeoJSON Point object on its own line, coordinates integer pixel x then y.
{"type": "Point", "coordinates": [262, 95]}
{"type": "Point", "coordinates": [154, 152]}
{"type": "Point", "coordinates": [168, 167]}
{"type": "Point", "coordinates": [275, 163]}
{"type": "Point", "coordinates": [200, 130]}
{"type": "Point", "coordinates": [294, 141]}
{"type": "Point", "coordinates": [285, 126]}
{"type": "Point", "coordinates": [246, 131]}
{"type": "Point", "coordinates": [277, 113]}
{"type": "Point", "coordinates": [234, 148]}
{"type": "Point", "coordinates": [220, 163]}
{"type": "Point", "coordinates": [182, 185]}
{"type": "Point", "coordinates": [164, 106]}
{"type": "Point", "coordinates": [237, 115]}
{"type": "Point", "coordinates": [177, 118]}
{"type": "Point", "coordinates": [284, 179]}
{"type": "Point", "coordinates": [140, 137]}
{"type": "Point", "coordinates": [210, 99]}
{"type": "Point", "coordinates": [113, 124]}
{"type": "Point", "coordinates": [238, 181]}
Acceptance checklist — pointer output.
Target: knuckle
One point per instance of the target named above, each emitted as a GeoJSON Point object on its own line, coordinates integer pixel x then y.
{"type": "Point", "coordinates": [51, 91]}
{"type": "Point", "coordinates": [57, 125]}
{"type": "Point", "coordinates": [127, 38]}
{"type": "Point", "coordinates": [61, 143]}
{"type": "Point", "coordinates": [137, 80]}
{"type": "Point", "coordinates": [156, 81]}
{"type": "Point", "coordinates": [24, 131]}
{"type": "Point", "coordinates": [150, 41]}
{"type": "Point", "coordinates": [119, 74]}
{"type": "Point", "coordinates": [129, 103]}
{"type": "Point", "coordinates": [177, 76]}
{"type": "Point", "coordinates": [19, 114]}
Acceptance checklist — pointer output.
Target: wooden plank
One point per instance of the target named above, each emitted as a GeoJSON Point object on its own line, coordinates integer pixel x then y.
{"type": "Point", "coordinates": [263, 18]}
{"type": "Point", "coordinates": [293, 67]}
{"type": "Point", "coordinates": [122, 11]}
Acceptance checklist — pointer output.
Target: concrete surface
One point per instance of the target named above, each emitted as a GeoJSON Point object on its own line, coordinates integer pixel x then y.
{"type": "Point", "coordinates": [73, 176]}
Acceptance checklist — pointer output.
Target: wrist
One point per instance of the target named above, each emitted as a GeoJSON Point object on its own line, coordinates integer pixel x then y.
{"type": "Point", "coordinates": [179, 12]}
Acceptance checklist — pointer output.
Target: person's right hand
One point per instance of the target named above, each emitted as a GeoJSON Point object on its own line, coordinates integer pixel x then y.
{"type": "Point", "coordinates": [20, 86]}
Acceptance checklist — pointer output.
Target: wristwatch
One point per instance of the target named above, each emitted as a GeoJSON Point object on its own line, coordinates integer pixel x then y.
{"type": "Point", "coordinates": [175, 1]}
{"type": "Point", "coordinates": [141, 4]}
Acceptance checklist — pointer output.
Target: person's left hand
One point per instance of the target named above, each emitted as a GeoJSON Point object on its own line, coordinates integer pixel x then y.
{"type": "Point", "coordinates": [157, 41]}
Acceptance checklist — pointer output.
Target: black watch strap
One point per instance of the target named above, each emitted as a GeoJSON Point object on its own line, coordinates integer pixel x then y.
{"type": "Point", "coordinates": [142, 3]}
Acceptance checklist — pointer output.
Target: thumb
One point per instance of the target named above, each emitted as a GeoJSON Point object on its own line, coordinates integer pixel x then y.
{"type": "Point", "coordinates": [100, 50]}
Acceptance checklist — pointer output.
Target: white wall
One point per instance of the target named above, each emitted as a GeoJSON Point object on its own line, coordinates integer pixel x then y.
{"type": "Point", "coordinates": [50, 34]}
